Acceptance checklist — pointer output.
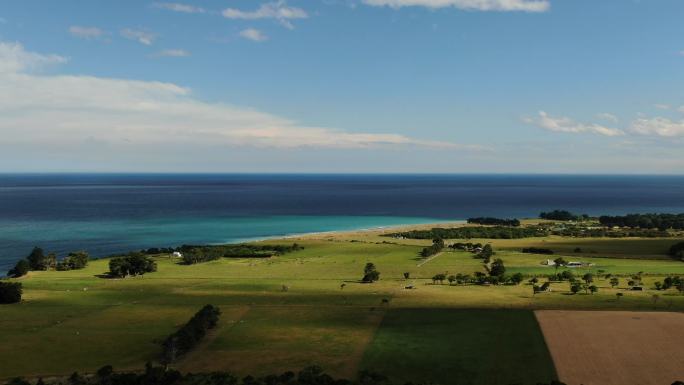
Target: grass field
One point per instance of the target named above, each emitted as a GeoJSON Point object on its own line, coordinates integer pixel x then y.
{"type": "Point", "coordinates": [449, 334]}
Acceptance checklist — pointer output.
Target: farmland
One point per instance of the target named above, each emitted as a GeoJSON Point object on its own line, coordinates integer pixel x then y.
{"type": "Point", "coordinates": [308, 307]}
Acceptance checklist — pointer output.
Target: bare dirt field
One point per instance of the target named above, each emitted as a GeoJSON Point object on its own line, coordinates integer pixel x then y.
{"type": "Point", "coordinates": [615, 347]}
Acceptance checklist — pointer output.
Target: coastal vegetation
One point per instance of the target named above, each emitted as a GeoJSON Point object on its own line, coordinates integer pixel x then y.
{"type": "Point", "coordinates": [645, 221]}
{"type": "Point", "coordinates": [561, 215]}
{"type": "Point", "coordinates": [494, 221]}
{"type": "Point", "coordinates": [198, 254]}
{"type": "Point", "coordinates": [487, 232]}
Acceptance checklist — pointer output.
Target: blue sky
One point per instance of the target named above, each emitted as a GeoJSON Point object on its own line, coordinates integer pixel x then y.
{"type": "Point", "coordinates": [570, 86]}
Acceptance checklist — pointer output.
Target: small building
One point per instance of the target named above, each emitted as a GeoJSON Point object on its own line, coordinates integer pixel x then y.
{"type": "Point", "coordinates": [574, 264]}
{"type": "Point", "coordinates": [549, 262]}
{"type": "Point", "coordinates": [177, 254]}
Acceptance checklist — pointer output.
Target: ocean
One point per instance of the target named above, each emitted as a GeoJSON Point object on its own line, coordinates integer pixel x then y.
{"type": "Point", "coordinates": [112, 213]}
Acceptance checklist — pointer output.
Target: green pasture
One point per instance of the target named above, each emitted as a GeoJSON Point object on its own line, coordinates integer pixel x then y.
{"type": "Point", "coordinates": [75, 320]}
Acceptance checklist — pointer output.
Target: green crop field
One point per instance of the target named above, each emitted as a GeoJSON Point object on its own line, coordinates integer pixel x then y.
{"type": "Point", "coordinates": [75, 320]}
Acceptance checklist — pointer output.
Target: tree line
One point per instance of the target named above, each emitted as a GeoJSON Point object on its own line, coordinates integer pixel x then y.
{"type": "Point", "coordinates": [561, 215]}
{"type": "Point", "coordinates": [162, 375]}
{"type": "Point", "coordinates": [645, 221]}
{"type": "Point", "coordinates": [199, 254]}
{"type": "Point", "coordinates": [38, 260]}
{"type": "Point", "coordinates": [494, 232]}
{"type": "Point", "coordinates": [494, 221]}
{"type": "Point", "coordinates": [190, 334]}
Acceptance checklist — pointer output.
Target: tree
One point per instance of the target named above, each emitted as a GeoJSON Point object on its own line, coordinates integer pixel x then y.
{"type": "Point", "coordinates": [658, 285]}
{"type": "Point", "coordinates": [407, 275]}
{"type": "Point", "coordinates": [74, 261]}
{"type": "Point", "coordinates": [37, 259]}
{"type": "Point", "coordinates": [497, 269]}
{"type": "Point", "coordinates": [20, 269]}
{"type": "Point", "coordinates": [588, 278]}
{"type": "Point", "coordinates": [534, 280]}
{"type": "Point", "coordinates": [486, 252]}
{"type": "Point", "coordinates": [618, 295]}
{"type": "Point", "coordinates": [614, 282]}
{"type": "Point", "coordinates": [517, 278]}
{"type": "Point", "coordinates": [560, 261]}
{"type": "Point", "coordinates": [439, 277]}
{"type": "Point", "coordinates": [10, 292]}
{"type": "Point", "coordinates": [451, 279]}
{"type": "Point", "coordinates": [575, 288]}
{"type": "Point", "coordinates": [370, 273]}
{"type": "Point", "coordinates": [593, 289]}
{"type": "Point", "coordinates": [131, 265]}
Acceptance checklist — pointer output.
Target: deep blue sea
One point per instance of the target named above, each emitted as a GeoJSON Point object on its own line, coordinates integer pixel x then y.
{"type": "Point", "coordinates": [107, 214]}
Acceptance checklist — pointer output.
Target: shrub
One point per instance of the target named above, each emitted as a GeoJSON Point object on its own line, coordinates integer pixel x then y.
{"type": "Point", "coordinates": [536, 250]}
{"type": "Point", "coordinates": [10, 292]}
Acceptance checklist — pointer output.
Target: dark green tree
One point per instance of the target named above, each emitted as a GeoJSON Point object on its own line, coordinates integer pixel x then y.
{"type": "Point", "coordinates": [20, 269]}
{"type": "Point", "coordinates": [370, 273]}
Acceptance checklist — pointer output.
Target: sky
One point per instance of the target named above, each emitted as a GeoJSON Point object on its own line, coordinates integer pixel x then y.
{"type": "Point", "coordinates": [342, 86]}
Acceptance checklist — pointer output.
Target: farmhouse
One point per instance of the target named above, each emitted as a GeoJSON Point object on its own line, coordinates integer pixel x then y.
{"type": "Point", "coordinates": [177, 254]}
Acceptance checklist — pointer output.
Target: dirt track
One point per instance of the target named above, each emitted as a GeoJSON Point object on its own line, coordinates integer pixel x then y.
{"type": "Point", "coordinates": [615, 348]}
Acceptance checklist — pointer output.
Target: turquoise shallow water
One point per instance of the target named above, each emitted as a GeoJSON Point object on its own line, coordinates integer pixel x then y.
{"type": "Point", "coordinates": [108, 236]}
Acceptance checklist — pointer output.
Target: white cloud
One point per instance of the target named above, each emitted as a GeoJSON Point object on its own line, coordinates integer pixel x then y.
{"type": "Point", "coordinates": [608, 117]}
{"type": "Point", "coordinates": [657, 126]}
{"type": "Point", "coordinates": [172, 53]}
{"type": "Point", "coordinates": [179, 7]}
{"type": "Point", "coordinates": [563, 124]}
{"type": "Point", "coordinates": [278, 10]}
{"type": "Point", "coordinates": [86, 32]}
{"type": "Point", "coordinates": [662, 106]}
{"type": "Point", "coordinates": [13, 59]}
{"type": "Point", "coordinates": [69, 115]}
{"type": "Point", "coordinates": [253, 34]}
{"type": "Point", "coordinates": [142, 37]}
{"type": "Point", "coordinates": [475, 5]}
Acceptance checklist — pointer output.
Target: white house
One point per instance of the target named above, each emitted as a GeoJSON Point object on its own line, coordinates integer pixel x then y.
{"type": "Point", "coordinates": [177, 254]}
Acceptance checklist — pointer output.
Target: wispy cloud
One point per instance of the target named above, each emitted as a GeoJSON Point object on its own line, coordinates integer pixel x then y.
{"type": "Point", "coordinates": [657, 126]}
{"type": "Point", "coordinates": [473, 5]}
{"type": "Point", "coordinates": [567, 125]}
{"type": "Point", "coordinates": [253, 34]}
{"type": "Point", "coordinates": [87, 33]}
{"type": "Point", "coordinates": [71, 115]}
{"type": "Point", "coordinates": [14, 59]}
{"type": "Point", "coordinates": [142, 37]}
{"type": "Point", "coordinates": [179, 7]}
{"type": "Point", "coordinates": [662, 106]}
{"type": "Point", "coordinates": [172, 53]}
{"type": "Point", "coordinates": [278, 10]}
{"type": "Point", "coordinates": [608, 117]}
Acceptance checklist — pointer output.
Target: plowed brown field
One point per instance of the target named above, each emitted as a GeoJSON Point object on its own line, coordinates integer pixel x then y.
{"type": "Point", "coordinates": [615, 347]}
